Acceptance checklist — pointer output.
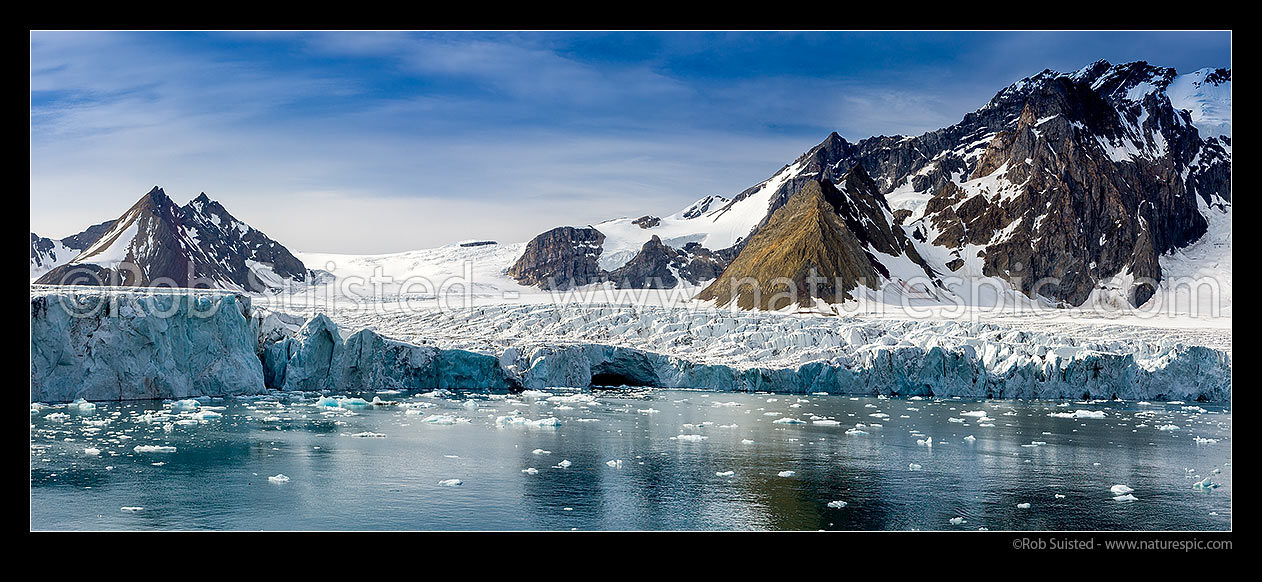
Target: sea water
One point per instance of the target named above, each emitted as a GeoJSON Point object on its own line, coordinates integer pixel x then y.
{"type": "Point", "coordinates": [640, 459]}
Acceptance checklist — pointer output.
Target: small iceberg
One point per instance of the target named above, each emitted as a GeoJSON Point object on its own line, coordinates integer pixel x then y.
{"type": "Point", "coordinates": [1205, 484]}
{"type": "Point", "coordinates": [1126, 498]}
{"type": "Point", "coordinates": [837, 504]}
{"type": "Point", "coordinates": [1023, 506]}
{"type": "Point", "coordinates": [787, 420]}
{"type": "Point", "coordinates": [279, 478]}
{"type": "Point", "coordinates": [450, 483]}
{"type": "Point", "coordinates": [786, 473]}
{"type": "Point", "coordinates": [1120, 489]}
{"type": "Point", "coordinates": [724, 473]}
{"type": "Point", "coordinates": [153, 448]}
{"type": "Point", "coordinates": [913, 466]}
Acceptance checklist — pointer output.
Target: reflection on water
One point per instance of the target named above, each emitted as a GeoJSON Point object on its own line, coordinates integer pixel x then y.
{"type": "Point", "coordinates": [897, 464]}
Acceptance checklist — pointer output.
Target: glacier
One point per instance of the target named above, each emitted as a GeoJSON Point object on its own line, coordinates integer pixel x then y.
{"type": "Point", "coordinates": [124, 352]}
{"type": "Point", "coordinates": [120, 344]}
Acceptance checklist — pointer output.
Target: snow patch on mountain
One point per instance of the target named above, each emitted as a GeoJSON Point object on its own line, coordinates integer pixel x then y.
{"type": "Point", "coordinates": [1206, 95]}
{"type": "Point", "coordinates": [714, 229]}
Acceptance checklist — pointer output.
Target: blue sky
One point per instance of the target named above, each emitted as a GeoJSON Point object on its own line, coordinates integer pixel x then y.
{"type": "Point", "coordinates": [377, 142]}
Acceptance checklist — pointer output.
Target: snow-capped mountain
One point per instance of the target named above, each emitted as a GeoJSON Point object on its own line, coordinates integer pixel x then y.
{"type": "Point", "coordinates": [47, 254]}
{"type": "Point", "coordinates": [200, 244]}
{"type": "Point", "coordinates": [821, 244]}
{"type": "Point", "coordinates": [1077, 182]}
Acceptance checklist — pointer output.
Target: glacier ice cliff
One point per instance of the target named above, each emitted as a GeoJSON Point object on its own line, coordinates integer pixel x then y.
{"type": "Point", "coordinates": [139, 344]}
{"type": "Point", "coordinates": [124, 345]}
{"type": "Point", "coordinates": [1185, 373]}
{"type": "Point", "coordinates": [317, 358]}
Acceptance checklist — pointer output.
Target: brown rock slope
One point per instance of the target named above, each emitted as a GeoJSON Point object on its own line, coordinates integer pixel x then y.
{"type": "Point", "coordinates": [805, 238]}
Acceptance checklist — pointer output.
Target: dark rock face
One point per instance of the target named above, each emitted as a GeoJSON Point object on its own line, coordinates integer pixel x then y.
{"type": "Point", "coordinates": [477, 243]}
{"type": "Point", "coordinates": [816, 246]}
{"type": "Point", "coordinates": [703, 206]}
{"type": "Point", "coordinates": [222, 236]}
{"type": "Point", "coordinates": [157, 242]}
{"type": "Point", "coordinates": [44, 251]}
{"type": "Point", "coordinates": [561, 258]}
{"type": "Point", "coordinates": [1108, 156]}
{"type": "Point", "coordinates": [1095, 187]}
{"type": "Point", "coordinates": [656, 266]}
{"type": "Point", "coordinates": [85, 239]}
{"type": "Point", "coordinates": [647, 221]}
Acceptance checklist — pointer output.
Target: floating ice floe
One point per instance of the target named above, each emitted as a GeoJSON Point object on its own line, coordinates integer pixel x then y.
{"type": "Point", "coordinates": [724, 473]}
{"type": "Point", "coordinates": [92, 451]}
{"type": "Point", "coordinates": [1078, 414]}
{"type": "Point", "coordinates": [1120, 489]}
{"type": "Point", "coordinates": [970, 438]}
{"type": "Point", "coordinates": [81, 405]}
{"type": "Point", "coordinates": [530, 471]}
{"type": "Point", "coordinates": [279, 478]}
{"type": "Point", "coordinates": [953, 419]}
{"type": "Point", "coordinates": [189, 404]}
{"type": "Point", "coordinates": [926, 442]}
{"type": "Point", "coordinates": [450, 483]}
{"type": "Point", "coordinates": [57, 416]}
{"type": "Point", "coordinates": [787, 420]}
{"type": "Point", "coordinates": [913, 466]}
{"type": "Point", "coordinates": [131, 509]}
{"type": "Point", "coordinates": [957, 520]}
{"type": "Point", "coordinates": [153, 449]}
{"type": "Point", "coordinates": [837, 504]}
{"type": "Point", "coordinates": [563, 464]}
{"type": "Point", "coordinates": [786, 473]}
{"type": "Point", "coordinates": [369, 435]}
{"type": "Point", "coordinates": [1023, 506]}
{"type": "Point", "coordinates": [1126, 498]}
{"type": "Point", "coordinates": [1204, 441]}
{"type": "Point", "coordinates": [692, 438]}
{"type": "Point", "coordinates": [444, 419]}
{"type": "Point", "coordinates": [747, 442]}
{"type": "Point", "coordinates": [1205, 484]}
{"type": "Point", "coordinates": [540, 452]}
{"type": "Point", "coordinates": [856, 432]}
{"type": "Point", "coordinates": [1168, 427]}
{"type": "Point", "coordinates": [616, 464]}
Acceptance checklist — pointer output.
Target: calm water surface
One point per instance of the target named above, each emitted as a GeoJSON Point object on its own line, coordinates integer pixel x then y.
{"type": "Point", "coordinates": [364, 467]}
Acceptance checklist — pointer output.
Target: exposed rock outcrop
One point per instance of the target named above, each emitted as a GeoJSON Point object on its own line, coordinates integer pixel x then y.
{"type": "Point", "coordinates": [658, 266]}
{"type": "Point", "coordinates": [561, 258]}
{"type": "Point", "coordinates": [822, 244]}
